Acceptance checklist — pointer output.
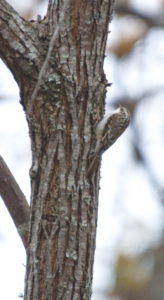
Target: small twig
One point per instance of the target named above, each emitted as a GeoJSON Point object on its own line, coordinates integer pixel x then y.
{"type": "Point", "coordinates": [46, 61]}
{"type": "Point", "coordinates": [15, 201]}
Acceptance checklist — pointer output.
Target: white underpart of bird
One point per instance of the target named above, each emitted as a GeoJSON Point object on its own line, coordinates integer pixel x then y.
{"type": "Point", "coordinates": [108, 131]}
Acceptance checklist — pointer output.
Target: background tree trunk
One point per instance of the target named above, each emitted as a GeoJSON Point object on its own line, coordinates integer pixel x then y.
{"type": "Point", "coordinates": [63, 102]}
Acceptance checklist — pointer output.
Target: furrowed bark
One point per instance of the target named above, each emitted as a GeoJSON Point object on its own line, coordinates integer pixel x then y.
{"type": "Point", "coordinates": [19, 43]}
{"type": "Point", "coordinates": [68, 104]}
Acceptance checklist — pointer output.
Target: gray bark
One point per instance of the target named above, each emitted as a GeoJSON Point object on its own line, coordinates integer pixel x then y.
{"type": "Point", "coordinates": [65, 51]}
{"type": "Point", "coordinates": [15, 201]}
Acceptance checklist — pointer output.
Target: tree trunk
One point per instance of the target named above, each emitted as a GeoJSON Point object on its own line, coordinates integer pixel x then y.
{"type": "Point", "coordinates": [58, 64]}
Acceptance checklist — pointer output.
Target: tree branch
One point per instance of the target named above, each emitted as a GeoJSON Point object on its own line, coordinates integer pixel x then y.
{"type": "Point", "coordinates": [15, 201]}
{"type": "Point", "coordinates": [18, 42]}
{"type": "Point", "coordinates": [150, 20]}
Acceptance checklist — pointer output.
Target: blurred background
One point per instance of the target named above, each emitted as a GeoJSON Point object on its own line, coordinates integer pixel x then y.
{"type": "Point", "coordinates": [129, 259]}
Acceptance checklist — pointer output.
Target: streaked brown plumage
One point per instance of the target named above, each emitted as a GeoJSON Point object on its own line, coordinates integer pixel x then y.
{"type": "Point", "coordinates": [108, 131]}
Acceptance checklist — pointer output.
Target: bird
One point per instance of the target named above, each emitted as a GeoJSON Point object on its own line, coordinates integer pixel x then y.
{"type": "Point", "coordinates": [108, 131]}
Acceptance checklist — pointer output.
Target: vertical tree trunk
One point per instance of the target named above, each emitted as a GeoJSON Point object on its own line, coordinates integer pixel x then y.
{"type": "Point", "coordinates": [62, 117]}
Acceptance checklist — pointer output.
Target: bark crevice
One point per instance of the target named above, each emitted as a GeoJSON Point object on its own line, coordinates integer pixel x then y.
{"type": "Point", "coordinates": [63, 88]}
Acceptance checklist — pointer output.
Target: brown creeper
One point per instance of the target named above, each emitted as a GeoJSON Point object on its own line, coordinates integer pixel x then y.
{"type": "Point", "coordinates": [108, 131]}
